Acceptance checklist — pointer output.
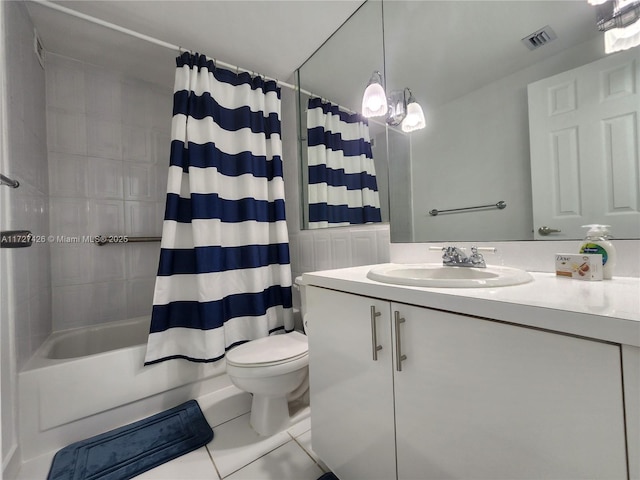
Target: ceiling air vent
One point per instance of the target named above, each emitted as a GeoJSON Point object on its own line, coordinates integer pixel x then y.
{"type": "Point", "coordinates": [539, 38]}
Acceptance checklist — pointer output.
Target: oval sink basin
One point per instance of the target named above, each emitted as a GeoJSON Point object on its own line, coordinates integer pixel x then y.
{"type": "Point", "coordinates": [436, 275]}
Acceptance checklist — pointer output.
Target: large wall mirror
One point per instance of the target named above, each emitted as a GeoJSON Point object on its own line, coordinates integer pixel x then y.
{"type": "Point", "coordinates": [550, 133]}
{"type": "Point", "coordinates": [335, 74]}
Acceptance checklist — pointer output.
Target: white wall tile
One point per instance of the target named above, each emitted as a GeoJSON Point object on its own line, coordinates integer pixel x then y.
{"type": "Point", "coordinates": [364, 250]}
{"type": "Point", "coordinates": [69, 216]}
{"type": "Point", "coordinates": [71, 263]}
{"type": "Point", "coordinates": [161, 107]}
{"type": "Point", "coordinates": [65, 84]}
{"type": "Point", "coordinates": [67, 175]}
{"type": "Point", "coordinates": [107, 217]}
{"type": "Point", "coordinates": [139, 181]}
{"type": "Point", "coordinates": [142, 259]}
{"type": "Point", "coordinates": [140, 218]}
{"type": "Point", "coordinates": [103, 138]}
{"type": "Point", "coordinates": [140, 296]}
{"type": "Point", "coordinates": [136, 144]}
{"type": "Point", "coordinates": [322, 251]}
{"type": "Point", "coordinates": [71, 306]}
{"type": "Point", "coordinates": [161, 147]}
{"type": "Point", "coordinates": [107, 262]}
{"type": "Point", "coordinates": [307, 253]}
{"type": "Point", "coordinates": [109, 301]}
{"type": "Point", "coordinates": [340, 248]}
{"type": "Point", "coordinates": [105, 178]}
{"type": "Point", "coordinates": [66, 132]}
{"type": "Point", "coordinates": [102, 93]}
{"type": "Point", "coordinates": [135, 103]}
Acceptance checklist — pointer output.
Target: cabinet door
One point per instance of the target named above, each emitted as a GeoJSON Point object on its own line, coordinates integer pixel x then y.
{"type": "Point", "coordinates": [352, 424]}
{"type": "Point", "coordinates": [478, 399]}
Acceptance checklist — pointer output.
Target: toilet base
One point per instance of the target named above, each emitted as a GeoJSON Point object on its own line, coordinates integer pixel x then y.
{"type": "Point", "coordinates": [269, 415]}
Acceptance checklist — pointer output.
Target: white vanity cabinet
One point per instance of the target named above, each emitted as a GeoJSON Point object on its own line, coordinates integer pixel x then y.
{"type": "Point", "coordinates": [474, 399]}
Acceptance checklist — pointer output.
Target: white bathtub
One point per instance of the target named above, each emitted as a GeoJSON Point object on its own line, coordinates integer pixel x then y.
{"type": "Point", "coordinates": [82, 382]}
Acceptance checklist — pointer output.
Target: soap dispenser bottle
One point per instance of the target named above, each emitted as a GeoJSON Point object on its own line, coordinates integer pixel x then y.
{"type": "Point", "coordinates": [597, 241]}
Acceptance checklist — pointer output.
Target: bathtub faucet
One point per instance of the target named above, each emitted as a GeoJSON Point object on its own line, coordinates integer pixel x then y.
{"type": "Point", "coordinates": [455, 257]}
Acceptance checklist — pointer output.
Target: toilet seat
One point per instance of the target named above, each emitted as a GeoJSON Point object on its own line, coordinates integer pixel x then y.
{"type": "Point", "coordinates": [269, 351]}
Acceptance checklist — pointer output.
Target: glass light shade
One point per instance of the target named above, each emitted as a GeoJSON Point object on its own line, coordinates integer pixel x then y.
{"type": "Point", "coordinates": [414, 119]}
{"type": "Point", "coordinates": [618, 39]}
{"type": "Point", "coordinates": [374, 101]}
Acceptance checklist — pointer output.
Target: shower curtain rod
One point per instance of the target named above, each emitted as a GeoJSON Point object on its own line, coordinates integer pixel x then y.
{"type": "Point", "coordinates": [170, 46]}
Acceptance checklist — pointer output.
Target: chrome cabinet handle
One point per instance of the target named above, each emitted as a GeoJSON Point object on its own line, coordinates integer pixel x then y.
{"type": "Point", "coordinates": [547, 230]}
{"type": "Point", "coordinates": [374, 333]}
{"type": "Point", "coordinates": [399, 356]}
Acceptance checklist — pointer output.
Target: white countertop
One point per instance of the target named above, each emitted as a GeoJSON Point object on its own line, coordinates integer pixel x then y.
{"type": "Point", "coordinates": [607, 310]}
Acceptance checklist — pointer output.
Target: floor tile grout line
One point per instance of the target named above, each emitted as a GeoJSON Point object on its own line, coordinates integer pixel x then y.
{"type": "Point", "coordinates": [256, 459]}
{"type": "Point", "coordinates": [213, 461]}
{"type": "Point", "coordinates": [305, 450]}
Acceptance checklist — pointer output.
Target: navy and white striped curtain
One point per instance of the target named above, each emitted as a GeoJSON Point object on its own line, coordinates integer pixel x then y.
{"type": "Point", "coordinates": [224, 276]}
{"type": "Point", "coordinates": [342, 177]}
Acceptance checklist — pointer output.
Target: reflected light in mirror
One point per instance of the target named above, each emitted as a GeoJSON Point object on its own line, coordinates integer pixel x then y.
{"type": "Point", "coordinates": [415, 117]}
{"type": "Point", "coordinates": [618, 39]}
{"type": "Point", "coordinates": [374, 100]}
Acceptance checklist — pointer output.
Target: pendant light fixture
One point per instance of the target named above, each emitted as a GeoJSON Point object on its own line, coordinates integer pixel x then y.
{"type": "Point", "coordinates": [374, 100]}
{"type": "Point", "coordinates": [620, 22]}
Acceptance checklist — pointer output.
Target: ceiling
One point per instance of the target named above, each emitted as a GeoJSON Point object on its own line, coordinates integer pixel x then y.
{"type": "Point", "coordinates": [270, 37]}
{"type": "Point", "coordinates": [444, 49]}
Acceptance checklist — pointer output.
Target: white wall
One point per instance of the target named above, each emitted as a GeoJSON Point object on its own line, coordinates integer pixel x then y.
{"type": "Point", "coordinates": [26, 284]}
{"type": "Point", "coordinates": [109, 145]}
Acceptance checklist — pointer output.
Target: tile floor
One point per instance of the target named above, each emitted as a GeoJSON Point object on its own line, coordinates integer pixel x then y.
{"type": "Point", "coordinates": [235, 453]}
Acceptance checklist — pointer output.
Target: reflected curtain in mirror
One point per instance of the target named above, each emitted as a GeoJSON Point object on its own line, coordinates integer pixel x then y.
{"type": "Point", "coordinates": [343, 189]}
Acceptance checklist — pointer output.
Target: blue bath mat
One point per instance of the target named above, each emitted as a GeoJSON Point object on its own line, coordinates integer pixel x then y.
{"type": "Point", "coordinates": [128, 451]}
{"type": "Point", "coordinates": [328, 476]}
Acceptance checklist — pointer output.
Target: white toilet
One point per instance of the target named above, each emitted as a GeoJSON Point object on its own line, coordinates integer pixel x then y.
{"type": "Point", "coordinates": [275, 370]}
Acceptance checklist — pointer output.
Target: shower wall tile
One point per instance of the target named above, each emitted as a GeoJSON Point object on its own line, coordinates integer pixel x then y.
{"type": "Point", "coordinates": [136, 103]}
{"type": "Point", "coordinates": [71, 263]}
{"type": "Point", "coordinates": [65, 85]}
{"type": "Point", "coordinates": [103, 138]}
{"type": "Point", "coordinates": [106, 217]}
{"type": "Point", "coordinates": [140, 181]}
{"type": "Point", "coordinates": [69, 216]}
{"type": "Point", "coordinates": [136, 144]}
{"type": "Point", "coordinates": [138, 293]}
{"type": "Point", "coordinates": [28, 206]}
{"type": "Point", "coordinates": [161, 146]}
{"type": "Point", "coordinates": [141, 219]}
{"type": "Point", "coordinates": [107, 262]}
{"type": "Point", "coordinates": [66, 132]}
{"type": "Point", "coordinates": [105, 177]}
{"type": "Point", "coordinates": [109, 146]}
{"type": "Point", "coordinates": [67, 175]}
{"type": "Point", "coordinates": [142, 260]}
{"type": "Point", "coordinates": [102, 93]}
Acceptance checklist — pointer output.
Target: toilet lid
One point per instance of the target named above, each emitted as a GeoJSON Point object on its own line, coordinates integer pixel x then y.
{"type": "Point", "coordinates": [269, 350]}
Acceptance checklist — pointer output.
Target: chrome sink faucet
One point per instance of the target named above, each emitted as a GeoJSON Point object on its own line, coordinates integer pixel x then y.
{"type": "Point", "coordinates": [455, 257]}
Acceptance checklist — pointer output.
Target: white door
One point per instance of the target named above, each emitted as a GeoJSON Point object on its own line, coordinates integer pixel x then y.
{"type": "Point", "coordinates": [584, 140]}
{"type": "Point", "coordinates": [352, 421]}
{"type": "Point", "coordinates": [478, 399]}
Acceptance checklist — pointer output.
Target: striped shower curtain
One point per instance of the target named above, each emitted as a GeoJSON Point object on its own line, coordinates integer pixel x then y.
{"type": "Point", "coordinates": [224, 276]}
{"type": "Point", "coordinates": [342, 178]}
